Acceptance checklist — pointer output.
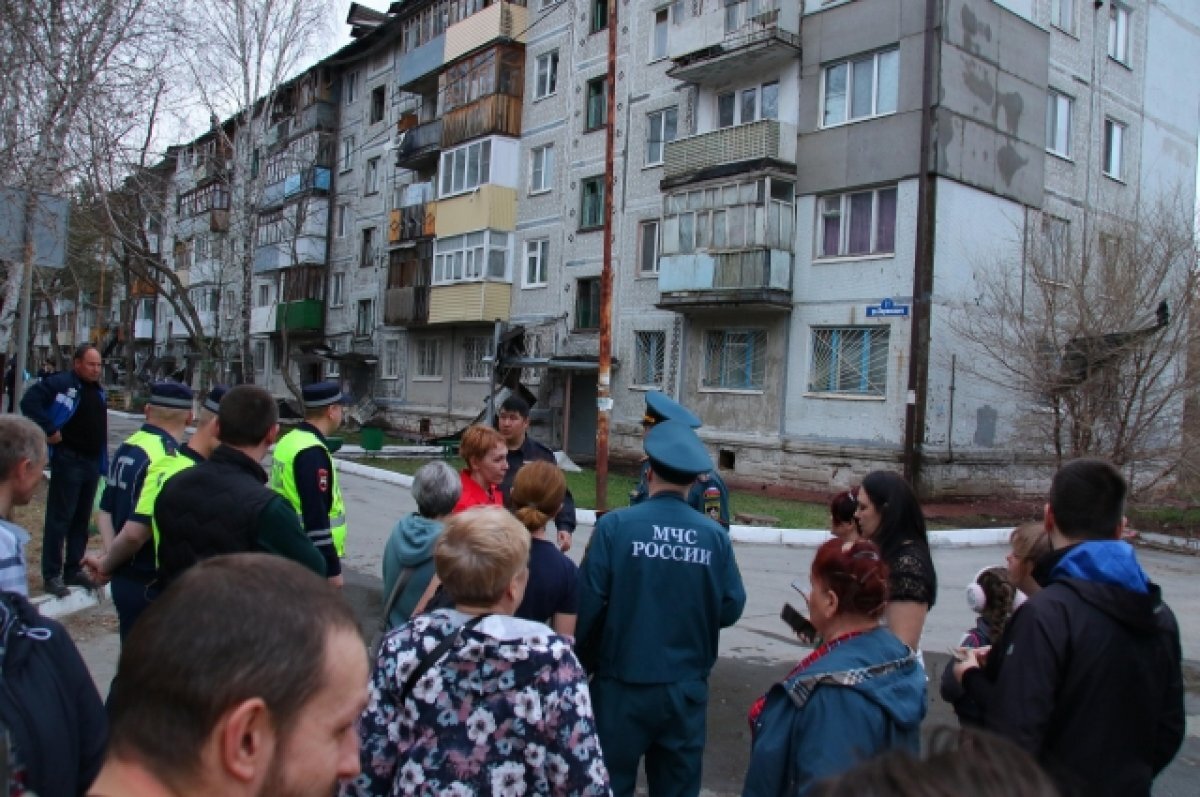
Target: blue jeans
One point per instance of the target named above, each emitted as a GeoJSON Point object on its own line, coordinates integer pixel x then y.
{"type": "Point", "coordinates": [72, 490]}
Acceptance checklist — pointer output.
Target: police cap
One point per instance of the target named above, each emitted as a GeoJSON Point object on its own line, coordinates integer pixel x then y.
{"type": "Point", "coordinates": [212, 402]}
{"type": "Point", "coordinates": [661, 407]}
{"type": "Point", "coordinates": [170, 395]}
{"type": "Point", "coordinates": [676, 453]}
{"type": "Point", "coordinates": [322, 394]}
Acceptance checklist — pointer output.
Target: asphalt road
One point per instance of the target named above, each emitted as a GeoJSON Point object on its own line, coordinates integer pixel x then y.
{"type": "Point", "coordinates": [759, 649]}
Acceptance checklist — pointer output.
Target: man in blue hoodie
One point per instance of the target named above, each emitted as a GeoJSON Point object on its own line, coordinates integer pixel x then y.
{"type": "Point", "coordinates": [1091, 684]}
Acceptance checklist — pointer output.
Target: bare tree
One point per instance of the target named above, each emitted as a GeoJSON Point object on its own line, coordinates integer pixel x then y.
{"type": "Point", "coordinates": [1093, 343]}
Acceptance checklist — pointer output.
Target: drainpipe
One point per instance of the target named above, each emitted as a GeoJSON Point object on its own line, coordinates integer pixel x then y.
{"type": "Point", "coordinates": [918, 361]}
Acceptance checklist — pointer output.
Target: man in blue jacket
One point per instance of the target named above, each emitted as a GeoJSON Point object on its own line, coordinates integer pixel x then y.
{"type": "Point", "coordinates": [71, 408]}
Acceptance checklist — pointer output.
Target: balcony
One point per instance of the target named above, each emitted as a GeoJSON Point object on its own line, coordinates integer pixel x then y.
{"type": "Point", "coordinates": [209, 168]}
{"type": "Point", "coordinates": [419, 68]}
{"type": "Point", "coordinates": [406, 307]}
{"type": "Point", "coordinates": [262, 320]}
{"type": "Point", "coordinates": [411, 223]}
{"type": "Point", "coordinates": [497, 114]}
{"type": "Point", "coordinates": [304, 250]}
{"type": "Point", "coordinates": [322, 115]}
{"type": "Point", "coordinates": [751, 38]}
{"type": "Point", "coordinates": [305, 315]}
{"type": "Point", "coordinates": [419, 146]}
{"type": "Point", "coordinates": [729, 150]}
{"type": "Point", "coordinates": [469, 301]}
{"type": "Point", "coordinates": [143, 329]}
{"type": "Point", "coordinates": [759, 279]}
{"type": "Point", "coordinates": [490, 206]}
{"type": "Point", "coordinates": [500, 21]}
{"type": "Point", "coordinates": [218, 220]}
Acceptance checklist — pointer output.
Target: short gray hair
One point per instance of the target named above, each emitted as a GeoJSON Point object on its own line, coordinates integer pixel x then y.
{"type": "Point", "coordinates": [20, 438]}
{"type": "Point", "coordinates": [436, 488]}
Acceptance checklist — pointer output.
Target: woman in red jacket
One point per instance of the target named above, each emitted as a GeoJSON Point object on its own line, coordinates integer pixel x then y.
{"type": "Point", "coordinates": [486, 454]}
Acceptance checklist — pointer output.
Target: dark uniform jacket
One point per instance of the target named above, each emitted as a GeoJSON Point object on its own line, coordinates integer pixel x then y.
{"type": "Point", "coordinates": [1091, 683]}
{"type": "Point", "coordinates": [533, 451]}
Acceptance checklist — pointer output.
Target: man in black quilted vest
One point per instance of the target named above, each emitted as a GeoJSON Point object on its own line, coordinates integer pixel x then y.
{"type": "Point", "coordinates": [223, 505]}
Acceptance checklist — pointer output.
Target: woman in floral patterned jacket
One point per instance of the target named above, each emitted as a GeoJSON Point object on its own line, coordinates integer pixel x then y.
{"type": "Point", "coordinates": [504, 711]}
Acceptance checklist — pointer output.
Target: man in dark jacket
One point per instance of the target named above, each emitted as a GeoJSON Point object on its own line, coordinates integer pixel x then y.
{"type": "Point", "coordinates": [1092, 684]}
{"type": "Point", "coordinates": [513, 423]}
{"type": "Point", "coordinates": [223, 505]}
{"type": "Point", "coordinates": [71, 408]}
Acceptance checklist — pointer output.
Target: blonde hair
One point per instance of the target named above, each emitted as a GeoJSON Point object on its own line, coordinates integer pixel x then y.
{"type": "Point", "coordinates": [1030, 541]}
{"type": "Point", "coordinates": [479, 553]}
{"type": "Point", "coordinates": [537, 493]}
{"type": "Point", "coordinates": [477, 441]}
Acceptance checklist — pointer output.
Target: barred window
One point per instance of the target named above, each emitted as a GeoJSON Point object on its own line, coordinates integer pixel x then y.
{"type": "Point", "coordinates": [850, 360]}
{"type": "Point", "coordinates": [474, 349]}
{"type": "Point", "coordinates": [735, 359]}
{"type": "Point", "coordinates": [649, 357]}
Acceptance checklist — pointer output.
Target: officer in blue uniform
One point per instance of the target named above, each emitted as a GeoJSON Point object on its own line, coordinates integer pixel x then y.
{"type": "Point", "coordinates": [658, 582]}
{"type": "Point", "coordinates": [708, 494]}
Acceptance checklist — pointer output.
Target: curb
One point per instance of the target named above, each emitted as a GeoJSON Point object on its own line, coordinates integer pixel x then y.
{"type": "Point", "coordinates": [77, 601]}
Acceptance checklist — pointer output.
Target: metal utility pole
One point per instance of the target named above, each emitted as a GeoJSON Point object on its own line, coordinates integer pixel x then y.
{"type": "Point", "coordinates": [603, 396]}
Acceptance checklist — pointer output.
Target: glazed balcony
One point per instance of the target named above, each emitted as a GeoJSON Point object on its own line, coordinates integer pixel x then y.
{"type": "Point", "coordinates": [753, 37]}
{"type": "Point", "coordinates": [143, 329]}
{"type": "Point", "coordinates": [406, 307]}
{"type": "Point", "coordinates": [305, 315]}
{"type": "Point", "coordinates": [419, 146]}
{"type": "Point", "coordinates": [306, 249]}
{"type": "Point", "coordinates": [497, 114]}
{"type": "Point", "coordinates": [262, 320]}
{"type": "Point", "coordinates": [419, 67]}
{"type": "Point", "coordinates": [757, 278]}
{"type": "Point", "coordinates": [729, 150]}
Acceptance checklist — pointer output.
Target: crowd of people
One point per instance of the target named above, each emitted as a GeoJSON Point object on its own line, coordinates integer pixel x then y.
{"type": "Point", "coordinates": [502, 667]}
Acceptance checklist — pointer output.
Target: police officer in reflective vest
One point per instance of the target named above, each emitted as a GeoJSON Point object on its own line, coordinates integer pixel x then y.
{"type": "Point", "coordinates": [708, 494]}
{"type": "Point", "coordinates": [657, 584]}
{"type": "Point", "coordinates": [303, 473]}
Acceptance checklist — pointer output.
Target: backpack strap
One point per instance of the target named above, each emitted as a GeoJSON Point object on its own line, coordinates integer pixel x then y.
{"type": "Point", "coordinates": [435, 655]}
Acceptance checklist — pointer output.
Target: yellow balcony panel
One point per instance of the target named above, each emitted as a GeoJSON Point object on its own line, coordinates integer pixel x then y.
{"type": "Point", "coordinates": [469, 301]}
{"type": "Point", "coordinates": [489, 206]}
{"type": "Point", "coordinates": [500, 21]}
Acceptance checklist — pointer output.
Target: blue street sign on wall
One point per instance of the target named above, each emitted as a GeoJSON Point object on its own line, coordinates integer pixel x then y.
{"type": "Point", "coordinates": [887, 308]}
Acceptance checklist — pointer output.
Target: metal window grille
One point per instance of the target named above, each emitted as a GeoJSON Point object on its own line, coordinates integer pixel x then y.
{"type": "Point", "coordinates": [850, 360]}
{"type": "Point", "coordinates": [735, 359]}
{"type": "Point", "coordinates": [474, 350]}
{"type": "Point", "coordinates": [649, 361]}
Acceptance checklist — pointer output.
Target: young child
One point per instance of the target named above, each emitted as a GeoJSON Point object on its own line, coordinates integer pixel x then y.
{"type": "Point", "coordinates": [22, 460]}
{"type": "Point", "coordinates": [991, 596]}
{"type": "Point", "coordinates": [841, 515]}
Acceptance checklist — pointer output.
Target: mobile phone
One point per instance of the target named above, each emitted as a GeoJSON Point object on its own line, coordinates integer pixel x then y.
{"type": "Point", "coordinates": [798, 622]}
{"type": "Point", "coordinates": [959, 654]}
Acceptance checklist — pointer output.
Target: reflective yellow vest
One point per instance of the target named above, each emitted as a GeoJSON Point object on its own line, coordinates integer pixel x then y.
{"type": "Point", "coordinates": [283, 481]}
{"type": "Point", "coordinates": [160, 470]}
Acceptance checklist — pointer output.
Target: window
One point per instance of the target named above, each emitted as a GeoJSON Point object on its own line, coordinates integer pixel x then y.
{"type": "Point", "coordinates": [546, 75]}
{"type": "Point", "coordinates": [429, 359]}
{"type": "Point", "coordinates": [1062, 15]}
{"type": "Point", "coordinates": [861, 88]}
{"type": "Point", "coordinates": [599, 15]}
{"type": "Point", "coordinates": [748, 105]}
{"type": "Point", "coordinates": [541, 169]}
{"type": "Point", "coordinates": [350, 87]}
{"type": "Point", "coordinates": [365, 319]}
{"type": "Point", "coordinates": [591, 203]}
{"type": "Point", "coordinates": [331, 365]}
{"type": "Point", "coordinates": [230, 304]}
{"type": "Point", "coordinates": [861, 223]}
{"type": "Point", "coordinates": [391, 358]}
{"type": "Point", "coordinates": [587, 304]}
{"type": "Point", "coordinates": [1118, 32]}
{"type": "Point", "coordinates": [378, 100]}
{"type": "Point", "coordinates": [536, 255]}
{"type": "Point", "coordinates": [736, 215]}
{"type": "Point", "coordinates": [735, 359]}
{"type": "Point", "coordinates": [371, 180]}
{"type": "Point", "coordinates": [597, 103]}
{"type": "Point", "coordinates": [1114, 137]}
{"type": "Point", "coordinates": [1110, 261]}
{"type": "Point", "coordinates": [850, 360]}
{"type": "Point", "coordinates": [366, 253]}
{"type": "Point", "coordinates": [264, 296]}
{"type": "Point", "coordinates": [347, 153]}
{"type": "Point", "coordinates": [658, 40]}
{"type": "Point", "coordinates": [660, 128]}
{"type": "Point", "coordinates": [1058, 123]}
{"type": "Point", "coordinates": [649, 357]}
{"type": "Point", "coordinates": [648, 247]}
{"type": "Point", "coordinates": [343, 220]}
{"type": "Point", "coordinates": [1056, 242]}
{"type": "Point", "coordinates": [473, 351]}
{"type": "Point", "coordinates": [337, 287]}
{"type": "Point", "coordinates": [260, 356]}
{"type": "Point", "coordinates": [466, 168]}
{"type": "Point", "coordinates": [471, 257]}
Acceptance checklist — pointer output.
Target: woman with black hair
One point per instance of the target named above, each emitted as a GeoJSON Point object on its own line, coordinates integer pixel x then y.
{"type": "Point", "coordinates": [888, 514]}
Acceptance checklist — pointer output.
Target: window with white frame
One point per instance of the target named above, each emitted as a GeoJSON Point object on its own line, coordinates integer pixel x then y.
{"type": "Point", "coordinates": [849, 360]}
{"type": "Point", "coordinates": [1058, 123]}
{"type": "Point", "coordinates": [350, 87]}
{"type": "Point", "coordinates": [1062, 15]}
{"type": "Point", "coordinates": [474, 349]}
{"type": "Point", "coordinates": [466, 168]}
{"type": "Point", "coordinates": [391, 358]}
{"type": "Point", "coordinates": [1118, 32]}
{"type": "Point", "coordinates": [260, 356]}
{"type": "Point", "coordinates": [746, 105]}
{"type": "Point", "coordinates": [337, 288]}
{"type": "Point", "coordinates": [347, 153]}
{"type": "Point", "coordinates": [541, 169]}
{"type": "Point", "coordinates": [343, 220]}
{"type": "Point", "coordinates": [861, 88]}
{"type": "Point", "coordinates": [734, 359]}
{"type": "Point", "coordinates": [371, 179]}
{"type": "Point", "coordinates": [364, 323]}
{"type": "Point", "coordinates": [648, 247]}
{"type": "Point", "coordinates": [264, 296]}
{"type": "Point", "coordinates": [661, 127]}
{"type": "Point", "coordinates": [545, 75]}
{"type": "Point", "coordinates": [537, 255]}
{"type": "Point", "coordinates": [658, 37]}
{"type": "Point", "coordinates": [1114, 138]}
{"type": "Point", "coordinates": [471, 257]}
{"type": "Point", "coordinates": [741, 12]}
{"type": "Point", "coordinates": [331, 364]}
{"type": "Point", "coordinates": [649, 357]}
{"type": "Point", "coordinates": [858, 223]}
{"type": "Point", "coordinates": [366, 251]}
{"type": "Point", "coordinates": [429, 358]}
{"type": "Point", "coordinates": [591, 203]}
{"type": "Point", "coordinates": [751, 213]}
